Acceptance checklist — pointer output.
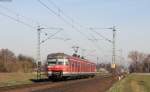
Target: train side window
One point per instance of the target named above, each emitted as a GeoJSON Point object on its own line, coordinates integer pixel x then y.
{"type": "Point", "coordinates": [67, 63]}
{"type": "Point", "coordinates": [72, 64]}
{"type": "Point", "coordinates": [60, 63]}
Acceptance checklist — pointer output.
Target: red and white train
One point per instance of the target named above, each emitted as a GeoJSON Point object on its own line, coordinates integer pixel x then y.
{"type": "Point", "coordinates": [60, 65]}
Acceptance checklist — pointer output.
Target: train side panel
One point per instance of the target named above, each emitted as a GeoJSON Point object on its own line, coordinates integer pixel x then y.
{"type": "Point", "coordinates": [79, 67]}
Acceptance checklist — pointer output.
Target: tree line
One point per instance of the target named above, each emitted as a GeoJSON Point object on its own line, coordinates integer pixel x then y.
{"type": "Point", "coordinates": [9, 62]}
{"type": "Point", "coordinates": [140, 62]}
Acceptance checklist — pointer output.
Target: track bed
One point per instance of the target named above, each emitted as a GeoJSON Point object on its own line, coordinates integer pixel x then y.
{"type": "Point", "coordinates": [96, 84]}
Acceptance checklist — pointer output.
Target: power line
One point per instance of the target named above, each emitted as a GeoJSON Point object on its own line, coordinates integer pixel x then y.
{"type": "Point", "coordinates": [19, 15]}
{"type": "Point", "coordinates": [102, 36]}
{"type": "Point", "coordinates": [50, 37]}
{"type": "Point", "coordinates": [70, 23]}
{"type": "Point", "coordinates": [27, 18]}
{"type": "Point", "coordinates": [43, 4]}
{"type": "Point", "coordinates": [67, 16]}
{"type": "Point", "coordinates": [62, 18]}
{"type": "Point", "coordinates": [72, 20]}
{"type": "Point", "coordinates": [95, 43]}
{"type": "Point", "coordinates": [19, 21]}
{"type": "Point", "coordinates": [62, 12]}
{"type": "Point", "coordinates": [113, 41]}
{"type": "Point", "coordinates": [24, 23]}
{"type": "Point", "coordinates": [59, 16]}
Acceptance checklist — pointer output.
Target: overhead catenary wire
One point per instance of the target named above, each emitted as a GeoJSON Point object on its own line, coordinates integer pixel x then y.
{"type": "Point", "coordinates": [60, 10]}
{"type": "Point", "coordinates": [19, 21]}
{"type": "Point", "coordinates": [67, 22]}
{"type": "Point", "coordinates": [26, 18]}
{"type": "Point", "coordinates": [50, 37]}
{"type": "Point", "coordinates": [65, 15]}
{"type": "Point", "coordinates": [18, 15]}
{"type": "Point", "coordinates": [27, 24]}
{"type": "Point", "coordinates": [22, 16]}
{"type": "Point", "coordinates": [73, 21]}
{"type": "Point", "coordinates": [102, 36]}
{"type": "Point", "coordinates": [63, 19]}
{"type": "Point", "coordinates": [95, 43]}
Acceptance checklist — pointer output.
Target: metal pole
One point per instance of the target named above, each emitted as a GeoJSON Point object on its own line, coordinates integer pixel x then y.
{"type": "Point", "coordinates": [38, 53]}
{"type": "Point", "coordinates": [114, 49]}
{"type": "Point", "coordinates": [39, 47]}
{"type": "Point", "coordinates": [97, 60]}
{"type": "Point", "coordinates": [121, 56]}
{"type": "Point", "coordinates": [97, 63]}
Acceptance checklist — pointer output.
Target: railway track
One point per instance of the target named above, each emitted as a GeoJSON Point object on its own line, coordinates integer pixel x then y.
{"type": "Point", "coordinates": [23, 86]}
{"type": "Point", "coordinates": [97, 84]}
{"type": "Point", "coordinates": [47, 84]}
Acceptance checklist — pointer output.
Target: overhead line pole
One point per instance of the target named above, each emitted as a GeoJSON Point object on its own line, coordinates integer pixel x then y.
{"type": "Point", "coordinates": [39, 42]}
{"type": "Point", "coordinates": [113, 41]}
{"type": "Point", "coordinates": [114, 48]}
{"type": "Point", "coordinates": [39, 52]}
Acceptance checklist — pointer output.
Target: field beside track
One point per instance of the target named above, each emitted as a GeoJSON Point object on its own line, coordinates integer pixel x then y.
{"type": "Point", "coordinates": [137, 82]}
{"type": "Point", "coordinates": [12, 79]}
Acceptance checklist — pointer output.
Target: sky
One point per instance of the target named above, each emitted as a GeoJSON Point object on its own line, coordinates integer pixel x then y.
{"type": "Point", "coordinates": [131, 18]}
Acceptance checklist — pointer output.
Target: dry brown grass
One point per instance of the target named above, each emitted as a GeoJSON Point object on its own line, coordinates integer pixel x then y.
{"type": "Point", "coordinates": [133, 83]}
{"type": "Point", "coordinates": [10, 79]}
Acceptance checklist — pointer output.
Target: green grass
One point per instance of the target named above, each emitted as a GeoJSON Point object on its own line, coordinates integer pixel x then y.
{"type": "Point", "coordinates": [133, 83]}
{"type": "Point", "coordinates": [12, 79]}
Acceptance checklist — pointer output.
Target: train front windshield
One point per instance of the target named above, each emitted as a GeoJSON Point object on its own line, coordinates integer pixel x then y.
{"type": "Point", "coordinates": [52, 62]}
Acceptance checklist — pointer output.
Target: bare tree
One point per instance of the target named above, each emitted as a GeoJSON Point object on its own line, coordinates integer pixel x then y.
{"type": "Point", "coordinates": [137, 59]}
{"type": "Point", "coordinates": [146, 64]}
{"type": "Point", "coordinates": [27, 63]}
{"type": "Point", "coordinates": [10, 63]}
{"type": "Point", "coordinates": [7, 58]}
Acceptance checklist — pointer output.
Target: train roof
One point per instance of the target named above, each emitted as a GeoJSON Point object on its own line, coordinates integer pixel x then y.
{"type": "Point", "coordinates": [62, 55]}
{"type": "Point", "coordinates": [56, 55]}
{"type": "Point", "coordinates": [85, 60]}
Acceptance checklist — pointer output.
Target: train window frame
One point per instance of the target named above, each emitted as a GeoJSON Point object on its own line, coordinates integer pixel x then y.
{"type": "Point", "coordinates": [53, 61]}
{"type": "Point", "coordinates": [60, 61]}
{"type": "Point", "coordinates": [66, 62]}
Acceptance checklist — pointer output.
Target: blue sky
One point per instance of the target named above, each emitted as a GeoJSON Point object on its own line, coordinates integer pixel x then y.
{"type": "Point", "coordinates": [132, 18]}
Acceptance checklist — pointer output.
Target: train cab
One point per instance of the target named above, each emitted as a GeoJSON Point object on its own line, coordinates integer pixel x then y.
{"type": "Point", "coordinates": [56, 66]}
